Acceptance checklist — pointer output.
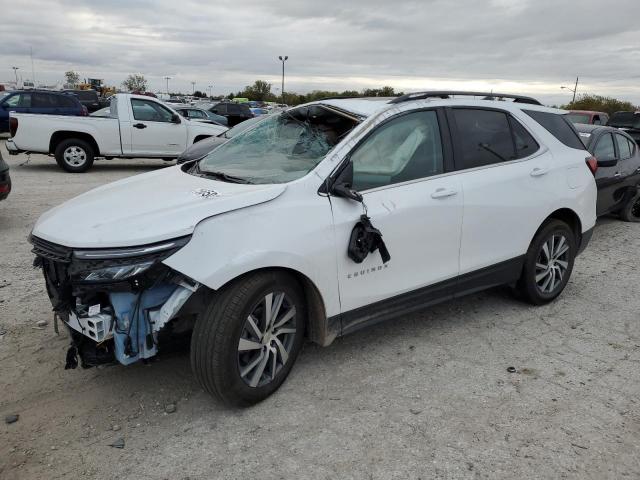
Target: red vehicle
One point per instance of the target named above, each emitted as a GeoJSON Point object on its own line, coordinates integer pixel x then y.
{"type": "Point", "coordinates": [588, 117]}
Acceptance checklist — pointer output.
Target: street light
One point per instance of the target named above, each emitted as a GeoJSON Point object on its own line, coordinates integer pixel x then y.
{"type": "Point", "coordinates": [167, 79]}
{"type": "Point", "coordinates": [193, 88]}
{"type": "Point", "coordinates": [15, 70]}
{"type": "Point", "coordinates": [574, 90]}
{"type": "Point", "coordinates": [210, 87]}
{"type": "Point", "coordinates": [283, 59]}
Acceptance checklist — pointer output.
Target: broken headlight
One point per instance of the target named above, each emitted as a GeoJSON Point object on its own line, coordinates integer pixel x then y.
{"type": "Point", "coordinates": [111, 274]}
{"type": "Point", "coordinates": [117, 264]}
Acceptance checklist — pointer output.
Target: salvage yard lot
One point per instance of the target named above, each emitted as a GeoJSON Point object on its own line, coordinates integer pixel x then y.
{"type": "Point", "coordinates": [424, 396]}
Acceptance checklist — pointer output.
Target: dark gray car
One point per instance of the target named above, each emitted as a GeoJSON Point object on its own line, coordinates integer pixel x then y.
{"type": "Point", "coordinates": [618, 173]}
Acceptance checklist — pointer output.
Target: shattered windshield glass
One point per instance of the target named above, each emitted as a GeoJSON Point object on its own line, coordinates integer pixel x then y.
{"type": "Point", "coordinates": [281, 148]}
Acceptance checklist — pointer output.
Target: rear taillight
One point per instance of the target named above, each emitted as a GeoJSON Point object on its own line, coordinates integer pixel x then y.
{"type": "Point", "coordinates": [592, 163]}
{"type": "Point", "coordinates": [5, 188]}
{"type": "Point", "coordinates": [13, 126]}
{"type": "Point", "coordinates": [84, 112]}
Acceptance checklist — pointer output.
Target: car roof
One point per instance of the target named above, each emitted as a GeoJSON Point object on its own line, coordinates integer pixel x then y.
{"type": "Point", "coordinates": [589, 112]}
{"type": "Point", "coordinates": [369, 106]}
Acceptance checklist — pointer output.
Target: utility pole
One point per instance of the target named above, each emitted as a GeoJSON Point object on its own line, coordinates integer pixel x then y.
{"type": "Point", "coordinates": [574, 90]}
{"type": "Point", "coordinates": [283, 59]}
{"type": "Point", "coordinates": [167, 79]}
{"type": "Point", "coordinates": [15, 70]}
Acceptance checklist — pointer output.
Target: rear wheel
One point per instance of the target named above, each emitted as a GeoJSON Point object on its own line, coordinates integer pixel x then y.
{"type": "Point", "coordinates": [548, 263]}
{"type": "Point", "coordinates": [631, 211]}
{"type": "Point", "coordinates": [247, 339]}
{"type": "Point", "coordinates": [74, 155]}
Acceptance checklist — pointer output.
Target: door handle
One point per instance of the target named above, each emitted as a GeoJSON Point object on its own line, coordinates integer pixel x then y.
{"type": "Point", "coordinates": [443, 193]}
{"type": "Point", "coordinates": [139, 125]}
{"type": "Point", "coordinates": [538, 172]}
{"type": "Point", "coordinates": [617, 174]}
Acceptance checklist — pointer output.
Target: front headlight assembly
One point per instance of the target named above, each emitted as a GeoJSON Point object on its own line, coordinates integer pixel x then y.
{"type": "Point", "coordinates": [117, 264]}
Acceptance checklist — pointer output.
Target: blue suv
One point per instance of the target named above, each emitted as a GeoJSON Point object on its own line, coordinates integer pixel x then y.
{"type": "Point", "coordinates": [37, 101]}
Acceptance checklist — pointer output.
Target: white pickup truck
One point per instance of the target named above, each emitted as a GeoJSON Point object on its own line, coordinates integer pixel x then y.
{"type": "Point", "coordinates": [137, 126]}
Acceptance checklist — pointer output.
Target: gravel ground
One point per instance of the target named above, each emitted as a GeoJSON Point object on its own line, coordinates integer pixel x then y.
{"type": "Point", "coordinates": [426, 396]}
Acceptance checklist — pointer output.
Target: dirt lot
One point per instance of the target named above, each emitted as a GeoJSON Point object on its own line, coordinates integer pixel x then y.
{"type": "Point", "coordinates": [426, 396]}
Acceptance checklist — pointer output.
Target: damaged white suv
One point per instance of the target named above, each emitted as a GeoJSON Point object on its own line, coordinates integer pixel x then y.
{"type": "Point", "coordinates": [316, 222]}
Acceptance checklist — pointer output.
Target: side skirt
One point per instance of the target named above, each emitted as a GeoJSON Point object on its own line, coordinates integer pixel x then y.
{"type": "Point", "coordinates": [502, 273]}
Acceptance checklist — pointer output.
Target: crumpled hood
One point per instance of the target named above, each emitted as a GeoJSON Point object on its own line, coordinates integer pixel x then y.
{"type": "Point", "coordinates": [146, 208]}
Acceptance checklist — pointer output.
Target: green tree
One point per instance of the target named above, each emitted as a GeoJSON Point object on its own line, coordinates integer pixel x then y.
{"type": "Point", "coordinates": [135, 83]}
{"type": "Point", "coordinates": [72, 78]}
{"type": "Point", "coordinates": [260, 91]}
{"type": "Point", "coordinates": [599, 103]}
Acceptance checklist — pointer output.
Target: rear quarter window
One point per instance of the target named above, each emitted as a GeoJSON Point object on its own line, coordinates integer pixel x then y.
{"type": "Point", "coordinates": [558, 126]}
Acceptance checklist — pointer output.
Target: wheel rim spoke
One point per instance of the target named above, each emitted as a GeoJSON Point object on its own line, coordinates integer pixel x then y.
{"type": "Point", "coordinates": [245, 345]}
{"type": "Point", "coordinates": [267, 339]}
{"type": "Point", "coordinates": [552, 263]}
{"type": "Point", "coordinates": [257, 374]}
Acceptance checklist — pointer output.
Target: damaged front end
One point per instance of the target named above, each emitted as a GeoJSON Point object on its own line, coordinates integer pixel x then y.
{"type": "Point", "coordinates": [113, 301]}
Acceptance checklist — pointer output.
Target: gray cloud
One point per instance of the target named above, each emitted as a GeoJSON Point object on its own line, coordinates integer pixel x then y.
{"type": "Point", "coordinates": [532, 46]}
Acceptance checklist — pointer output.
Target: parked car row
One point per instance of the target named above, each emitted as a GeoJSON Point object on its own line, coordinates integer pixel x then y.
{"type": "Point", "coordinates": [266, 240]}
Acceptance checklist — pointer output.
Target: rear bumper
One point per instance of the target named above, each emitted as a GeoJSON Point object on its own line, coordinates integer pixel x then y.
{"type": "Point", "coordinates": [584, 240]}
{"type": "Point", "coordinates": [11, 147]}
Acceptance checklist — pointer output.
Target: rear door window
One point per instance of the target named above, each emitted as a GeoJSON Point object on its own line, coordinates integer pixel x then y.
{"type": "Point", "coordinates": [604, 148]}
{"type": "Point", "coordinates": [558, 126]}
{"type": "Point", "coordinates": [623, 146]}
{"type": "Point", "coordinates": [42, 100]}
{"type": "Point", "coordinates": [483, 138]}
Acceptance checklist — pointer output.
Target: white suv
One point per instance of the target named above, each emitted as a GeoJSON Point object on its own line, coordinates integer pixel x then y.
{"type": "Point", "coordinates": [316, 222]}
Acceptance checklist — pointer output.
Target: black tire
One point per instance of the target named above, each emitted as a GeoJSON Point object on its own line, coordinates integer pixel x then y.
{"type": "Point", "coordinates": [527, 286]}
{"type": "Point", "coordinates": [215, 357]}
{"type": "Point", "coordinates": [631, 211]}
{"type": "Point", "coordinates": [78, 163]}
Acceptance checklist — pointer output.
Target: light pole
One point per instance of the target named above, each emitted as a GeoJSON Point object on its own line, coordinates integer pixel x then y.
{"type": "Point", "coordinates": [574, 90]}
{"type": "Point", "coordinates": [167, 79]}
{"type": "Point", "coordinates": [15, 70]}
{"type": "Point", "coordinates": [283, 59]}
{"type": "Point", "coordinates": [210, 89]}
{"type": "Point", "coordinates": [193, 88]}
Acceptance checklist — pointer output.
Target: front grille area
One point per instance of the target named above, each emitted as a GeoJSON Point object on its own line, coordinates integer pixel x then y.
{"type": "Point", "coordinates": [50, 251]}
{"type": "Point", "coordinates": [54, 260]}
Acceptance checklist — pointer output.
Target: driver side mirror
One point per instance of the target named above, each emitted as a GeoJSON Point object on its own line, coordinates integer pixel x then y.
{"type": "Point", "coordinates": [342, 187]}
{"type": "Point", "coordinates": [175, 118]}
{"type": "Point", "coordinates": [612, 162]}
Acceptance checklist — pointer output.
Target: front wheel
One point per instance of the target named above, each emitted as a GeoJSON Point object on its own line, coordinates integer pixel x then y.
{"type": "Point", "coordinates": [74, 155]}
{"type": "Point", "coordinates": [548, 263]}
{"type": "Point", "coordinates": [247, 339]}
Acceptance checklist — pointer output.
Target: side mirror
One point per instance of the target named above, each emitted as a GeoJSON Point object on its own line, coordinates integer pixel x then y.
{"type": "Point", "coordinates": [342, 185]}
{"type": "Point", "coordinates": [608, 163]}
{"type": "Point", "coordinates": [175, 118]}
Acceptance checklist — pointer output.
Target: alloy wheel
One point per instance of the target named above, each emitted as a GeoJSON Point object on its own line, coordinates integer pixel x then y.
{"type": "Point", "coordinates": [552, 263]}
{"type": "Point", "coordinates": [267, 339]}
{"type": "Point", "coordinates": [74, 156]}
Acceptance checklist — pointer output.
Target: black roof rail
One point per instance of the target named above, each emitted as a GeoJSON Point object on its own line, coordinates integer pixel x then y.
{"type": "Point", "coordinates": [444, 94]}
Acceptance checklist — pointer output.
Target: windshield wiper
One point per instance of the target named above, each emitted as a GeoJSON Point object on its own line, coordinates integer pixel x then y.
{"type": "Point", "coordinates": [219, 175]}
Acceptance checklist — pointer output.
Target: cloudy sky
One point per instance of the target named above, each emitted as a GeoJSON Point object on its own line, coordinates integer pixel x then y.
{"type": "Point", "coordinates": [525, 46]}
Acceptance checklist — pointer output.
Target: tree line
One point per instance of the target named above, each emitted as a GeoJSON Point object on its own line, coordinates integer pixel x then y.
{"type": "Point", "coordinates": [261, 91]}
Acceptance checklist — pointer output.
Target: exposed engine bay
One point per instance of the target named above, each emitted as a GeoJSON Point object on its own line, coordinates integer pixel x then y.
{"type": "Point", "coordinates": [115, 302]}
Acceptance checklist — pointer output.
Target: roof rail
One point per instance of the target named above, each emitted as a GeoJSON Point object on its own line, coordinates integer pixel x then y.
{"type": "Point", "coordinates": [447, 94]}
